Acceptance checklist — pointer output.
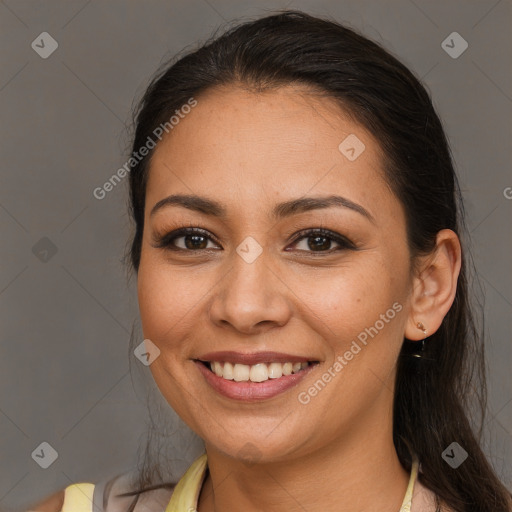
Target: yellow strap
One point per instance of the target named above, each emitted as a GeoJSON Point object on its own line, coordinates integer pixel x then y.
{"type": "Point", "coordinates": [78, 498]}
{"type": "Point", "coordinates": [185, 495]}
{"type": "Point", "coordinates": [407, 503]}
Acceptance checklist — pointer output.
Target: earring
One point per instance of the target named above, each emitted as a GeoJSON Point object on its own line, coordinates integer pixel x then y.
{"type": "Point", "coordinates": [419, 354]}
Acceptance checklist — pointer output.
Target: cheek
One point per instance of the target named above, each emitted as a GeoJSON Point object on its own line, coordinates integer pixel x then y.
{"type": "Point", "coordinates": [359, 312]}
{"type": "Point", "coordinates": [347, 300]}
{"type": "Point", "coordinates": [166, 304]}
{"type": "Point", "coordinates": [168, 298]}
{"type": "Point", "coordinates": [153, 295]}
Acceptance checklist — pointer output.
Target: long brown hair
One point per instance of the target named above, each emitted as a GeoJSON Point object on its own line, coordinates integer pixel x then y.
{"type": "Point", "coordinates": [444, 400]}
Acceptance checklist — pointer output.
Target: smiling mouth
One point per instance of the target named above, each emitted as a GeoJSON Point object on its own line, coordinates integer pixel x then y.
{"type": "Point", "coordinates": [260, 372]}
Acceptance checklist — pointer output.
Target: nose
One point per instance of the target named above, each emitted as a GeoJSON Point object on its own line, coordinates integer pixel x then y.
{"type": "Point", "coordinates": [251, 297]}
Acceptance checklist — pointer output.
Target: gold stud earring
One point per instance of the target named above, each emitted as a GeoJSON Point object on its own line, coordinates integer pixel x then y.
{"type": "Point", "coordinates": [421, 327]}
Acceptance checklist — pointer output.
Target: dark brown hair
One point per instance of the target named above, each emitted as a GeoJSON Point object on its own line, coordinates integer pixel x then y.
{"type": "Point", "coordinates": [444, 400]}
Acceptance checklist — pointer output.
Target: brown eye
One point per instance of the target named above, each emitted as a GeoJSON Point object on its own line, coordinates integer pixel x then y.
{"type": "Point", "coordinates": [320, 240]}
{"type": "Point", "coordinates": [317, 243]}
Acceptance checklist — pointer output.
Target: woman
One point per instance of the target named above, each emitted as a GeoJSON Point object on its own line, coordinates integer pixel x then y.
{"type": "Point", "coordinates": [301, 281]}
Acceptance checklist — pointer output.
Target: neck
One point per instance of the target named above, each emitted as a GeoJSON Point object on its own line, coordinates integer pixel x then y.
{"type": "Point", "coordinates": [361, 472]}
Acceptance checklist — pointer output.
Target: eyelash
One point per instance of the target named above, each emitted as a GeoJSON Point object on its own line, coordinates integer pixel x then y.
{"type": "Point", "coordinates": [167, 241]}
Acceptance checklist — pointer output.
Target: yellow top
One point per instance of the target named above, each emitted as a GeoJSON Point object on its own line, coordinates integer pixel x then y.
{"type": "Point", "coordinates": [79, 497]}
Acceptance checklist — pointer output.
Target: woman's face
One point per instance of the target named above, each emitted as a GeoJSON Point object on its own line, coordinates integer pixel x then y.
{"type": "Point", "coordinates": [248, 284]}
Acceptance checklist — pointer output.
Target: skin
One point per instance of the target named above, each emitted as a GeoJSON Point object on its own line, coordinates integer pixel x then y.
{"type": "Point", "coordinates": [249, 151]}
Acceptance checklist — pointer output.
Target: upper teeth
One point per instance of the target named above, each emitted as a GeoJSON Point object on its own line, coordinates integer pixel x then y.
{"type": "Point", "coordinates": [255, 373]}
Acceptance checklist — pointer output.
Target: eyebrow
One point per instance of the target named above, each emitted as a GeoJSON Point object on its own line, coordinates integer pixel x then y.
{"type": "Point", "coordinates": [281, 210]}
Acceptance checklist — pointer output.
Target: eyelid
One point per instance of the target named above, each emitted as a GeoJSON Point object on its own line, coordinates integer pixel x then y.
{"type": "Point", "coordinates": [340, 239]}
{"type": "Point", "coordinates": [163, 239]}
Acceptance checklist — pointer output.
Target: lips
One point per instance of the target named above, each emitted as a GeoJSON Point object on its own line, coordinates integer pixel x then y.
{"type": "Point", "coordinates": [265, 387]}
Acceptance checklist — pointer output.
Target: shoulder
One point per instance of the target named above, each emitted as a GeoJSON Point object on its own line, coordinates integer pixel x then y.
{"type": "Point", "coordinates": [112, 496]}
{"type": "Point", "coordinates": [73, 497]}
{"type": "Point", "coordinates": [52, 503]}
{"type": "Point", "coordinates": [106, 496]}
{"type": "Point", "coordinates": [424, 500]}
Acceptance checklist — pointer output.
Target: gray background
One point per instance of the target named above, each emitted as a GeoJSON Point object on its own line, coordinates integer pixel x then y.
{"type": "Point", "coordinates": [66, 317]}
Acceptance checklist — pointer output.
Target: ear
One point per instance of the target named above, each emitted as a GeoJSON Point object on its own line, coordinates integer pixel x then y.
{"type": "Point", "coordinates": [434, 286]}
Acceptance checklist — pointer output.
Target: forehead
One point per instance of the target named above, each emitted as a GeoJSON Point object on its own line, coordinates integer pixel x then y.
{"type": "Point", "coordinates": [284, 142]}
